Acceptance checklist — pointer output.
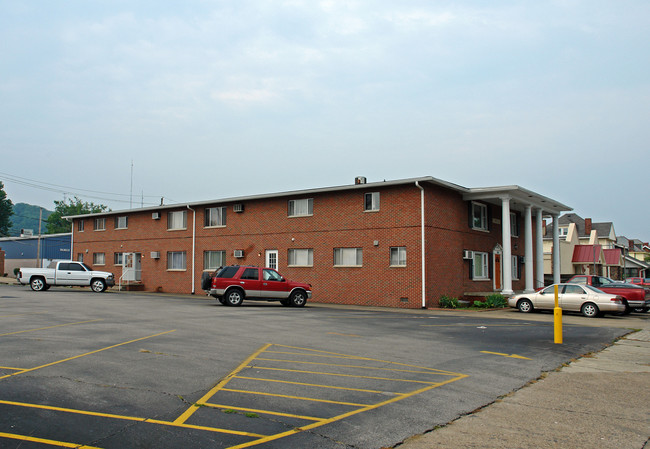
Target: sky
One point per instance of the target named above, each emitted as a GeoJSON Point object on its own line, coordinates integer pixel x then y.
{"type": "Point", "coordinates": [122, 103]}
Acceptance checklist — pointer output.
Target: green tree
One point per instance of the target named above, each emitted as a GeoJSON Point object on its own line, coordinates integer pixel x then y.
{"type": "Point", "coordinates": [6, 211]}
{"type": "Point", "coordinates": [56, 223]}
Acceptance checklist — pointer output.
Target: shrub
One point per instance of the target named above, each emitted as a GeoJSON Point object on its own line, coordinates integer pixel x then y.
{"type": "Point", "coordinates": [447, 302]}
{"type": "Point", "coordinates": [495, 301]}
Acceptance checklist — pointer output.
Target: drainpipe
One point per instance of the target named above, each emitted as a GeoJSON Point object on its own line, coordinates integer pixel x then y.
{"type": "Point", "coordinates": [424, 297]}
{"type": "Point", "coordinates": [193, 243]}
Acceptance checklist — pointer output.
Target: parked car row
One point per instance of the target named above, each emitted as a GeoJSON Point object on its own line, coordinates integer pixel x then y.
{"type": "Point", "coordinates": [584, 298]}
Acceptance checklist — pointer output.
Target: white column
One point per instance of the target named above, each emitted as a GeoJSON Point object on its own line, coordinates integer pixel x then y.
{"type": "Point", "coordinates": [539, 247]}
{"type": "Point", "coordinates": [507, 246]}
{"type": "Point", "coordinates": [556, 250]}
{"type": "Point", "coordinates": [528, 246]}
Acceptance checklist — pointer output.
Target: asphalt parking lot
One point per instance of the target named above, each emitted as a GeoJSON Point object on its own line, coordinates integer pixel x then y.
{"type": "Point", "coordinates": [116, 370]}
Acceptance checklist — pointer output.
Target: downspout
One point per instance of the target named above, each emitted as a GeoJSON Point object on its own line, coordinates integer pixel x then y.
{"type": "Point", "coordinates": [424, 296]}
{"type": "Point", "coordinates": [193, 243]}
{"type": "Point", "coordinates": [71, 237]}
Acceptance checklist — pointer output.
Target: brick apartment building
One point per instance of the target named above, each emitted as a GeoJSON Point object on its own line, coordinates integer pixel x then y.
{"type": "Point", "coordinates": [402, 243]}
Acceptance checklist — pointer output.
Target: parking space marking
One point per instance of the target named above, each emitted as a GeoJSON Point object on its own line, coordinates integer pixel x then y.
{"type": "Point", "coordinates": [83, 355]}
{"type": "Point", "coordinates": [44, 441]}
{"type": "Point", "coordinates": [408, 380]}
{"type": "Point", "coordinates": [512, 356]}
{"type": "Point", "coordinates": [48, 327]}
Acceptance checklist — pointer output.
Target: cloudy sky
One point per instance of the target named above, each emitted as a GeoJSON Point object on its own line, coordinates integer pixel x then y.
{"type": "Point", "coordinates": [213, 99]}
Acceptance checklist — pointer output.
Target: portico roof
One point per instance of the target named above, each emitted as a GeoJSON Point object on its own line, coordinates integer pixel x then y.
{"type": "Point", "coordinates": [519, 198]}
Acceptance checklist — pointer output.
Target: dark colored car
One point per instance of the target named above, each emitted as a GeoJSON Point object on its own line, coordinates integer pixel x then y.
{"type": "Point", "coordinates": [234, 283]}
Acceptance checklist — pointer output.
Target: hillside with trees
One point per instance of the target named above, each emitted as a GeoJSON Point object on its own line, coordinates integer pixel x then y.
{"type": "Point", "coordinates": [26, 216]}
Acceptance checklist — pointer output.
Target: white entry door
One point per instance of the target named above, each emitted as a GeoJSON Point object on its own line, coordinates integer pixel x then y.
{"type": "Point", "coordinates": [272, 258]}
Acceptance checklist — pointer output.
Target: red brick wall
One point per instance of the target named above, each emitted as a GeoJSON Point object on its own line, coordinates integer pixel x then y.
{"type": "Point", "coordinates": [338, 220]}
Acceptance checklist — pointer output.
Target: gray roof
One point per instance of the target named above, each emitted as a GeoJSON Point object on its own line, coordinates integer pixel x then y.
{"type": "Point", "coordinates": [603, 228]}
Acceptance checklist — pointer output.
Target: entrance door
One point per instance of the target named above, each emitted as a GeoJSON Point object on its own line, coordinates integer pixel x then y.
{"type": "Point", "coordinates": [272, 258]}
{"type": "Point", "coordinates": [497, 272]}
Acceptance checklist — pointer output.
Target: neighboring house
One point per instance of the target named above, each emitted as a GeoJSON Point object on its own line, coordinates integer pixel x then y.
{"type": "Point", "coordinates": [585, 248]}
{"type": "Point", "coordinates": [401, 243]}
{"type": "Point", "coordinates": [637, 257]}
{"type": "Point", "coordinates": [25, 252]}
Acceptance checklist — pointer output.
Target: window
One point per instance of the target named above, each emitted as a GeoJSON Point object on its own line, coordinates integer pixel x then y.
{"type": "Point", "coordinates": [371, 201]}
{"type": "Point", "coordinates": [100, 224]}
{"type": "Point", "coordinates": [176, 260]}
{"type": "Point", "coordinates": [563, 232]}
{"type": "Point", "coordinates": [215, 216]}
{"type": "Point", "coordinates": [121, 222]}
{"type": "Point", "coordinates": [99, 259]}
{"type": "Point", "coordinates": [177, 220]}
{"type": "Point", "coordinates": [301, 208]}
{"type": "Point", "coordinates": [118, 259]}
{"type": "Point", "coordinates": [271, 275]}
{"type": "Point", "coordinates": [252, 274]}
{"type": "Point", "coordinates": [301, 257]}
{"type": "Point", "coordinates": [579, 280]}
{"type": "Point", "coordinates": [80, 225]}
{"type": "Point", "coordinates": [514, 225]}
{"type": "Point", "coordinates": [575, 289]}
{"type": "Point", "coordinates": [480, 269]}
{"type": "Point", "coordinates": [80, 257]}
{"type": "Point", "coordinates": [398, 256]}
{"type": "Point", "coordinates": [348, 257]}
{"type": "Point", "coordinates": [213, 259]}
{"type": "Point", "coordinates": [479, 216]}
{"type": "Point", "coordinates": [515, 267]}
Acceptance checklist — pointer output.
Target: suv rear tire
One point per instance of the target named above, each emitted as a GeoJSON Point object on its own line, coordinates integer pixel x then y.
{"type": "Point", "coordinates": [234, 297]}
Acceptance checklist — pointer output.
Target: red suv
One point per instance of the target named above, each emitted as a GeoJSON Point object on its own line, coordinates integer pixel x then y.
{"type": "Point", "coordinates": [232, 284]}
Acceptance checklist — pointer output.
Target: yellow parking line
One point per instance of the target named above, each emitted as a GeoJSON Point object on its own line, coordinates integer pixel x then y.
{"type": "Point", "coordinates": [130, 418]}
{"type": "Point", "coordinates": [286, 396]}
{"type": "Point", "coordinates": [345, 366]}
{"type": "Point", "coordinates": [49, 327]}
{"type": "Point", "coordinates": [83, 355]}
{"type": "Point", "coordinates": [12, 369]}
{"type": "Point", "coordinates": [190, 411]}
{"type": "Point", "coordinates": [512, 356]}
{"type": "Point", "coordinates": [45, 441]}
{"type": "Point", "coordinates": [265, 412]}
{"type": "Point", "coordinates": [314, 385]}
{"type": "Point", "coordinates": [344, 375]}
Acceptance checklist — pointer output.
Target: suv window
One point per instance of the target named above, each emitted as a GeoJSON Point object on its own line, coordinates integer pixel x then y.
{"type": "Point", "coordinates": [270, 275]}
{"type": "Point", "coordinates": [228, 272]}
{"type": "Point", "coordinates": [579, 280]}
{"type": "Point", "coordinates": [250, 273]}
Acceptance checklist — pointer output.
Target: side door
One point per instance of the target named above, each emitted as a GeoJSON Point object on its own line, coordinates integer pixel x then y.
{"type": "Point", "coordinates": [573, 297]}
{"type": "Point", "coordinates": [273, 285]}
{"type": "Point", "coordinates": [78, 274]}
{"type": "Point", "coordinates": [250, 282]}
{"type": "Point", "coordinates": [546, 298]}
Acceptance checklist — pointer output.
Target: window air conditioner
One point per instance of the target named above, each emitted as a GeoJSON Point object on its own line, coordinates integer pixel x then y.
{"type": "Point", "coordinates": [155, 215]}
{"type": "Point", "coordinates": [239, 253]}
{"type": "Point", "coordinates": [155, 254]}
{"type": "Point", "coordinates": [468, 255]}
{"type": "Point", "coordinates": [239, 207]}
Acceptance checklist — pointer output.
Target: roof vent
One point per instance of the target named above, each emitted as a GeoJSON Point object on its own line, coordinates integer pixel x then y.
{"type": "Point", "coordinates": [360, 180]}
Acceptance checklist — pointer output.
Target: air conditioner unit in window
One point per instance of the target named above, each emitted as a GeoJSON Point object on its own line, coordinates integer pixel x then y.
{"type": "Point", "coordinates": [239, 207]}
{"type": "Point", "coordinates": [155, 215]}
{"type": "Point", "coordinates": [155, 254]}
{"type": "Point", "coordinates": [468, 255]}
{"type": "Point", "coordinates": [238, 253]}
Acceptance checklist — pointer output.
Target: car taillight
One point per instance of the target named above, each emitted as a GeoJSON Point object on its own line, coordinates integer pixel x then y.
{"type": "Point", "coordinates": [214, 282]}
{"type": "Point", "coordinates": [617, 299]}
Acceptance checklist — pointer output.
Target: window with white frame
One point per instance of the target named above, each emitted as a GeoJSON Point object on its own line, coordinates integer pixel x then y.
{"type": "Point", "coordinates": [121, 222]}
{"type": "Point", "coordinates": [398, 256]}
{"type": "Point", "coordinates": [118, 259]}
{"type": "Point", "coordinates": [176, 260]}
{"type": "Point", "coordinates": [213, 259]}
{"type": "Point", "coordinates": [80, 257]}
{"type": "Point", "coordinates": [348, 257]}
{"type": "Point", "coordinates": [515, 267]}
{"type": "Point", "coordinates": [100, 224]}
{"type": "Point", "coordinates": [177, 220]}
{"type": "Point", "coordinates": [215, 216]}
{"type": "Point", "coordinates": [479, 216]}
{"type": "Point", "coordinates": [99, 259]}
{"type": "Point", "coordinates": [514, 225]}
{"type": "Point", "coordinates": [563, 232]}
{"type": "Point", "coordinates": [80, 225]}
{"type": "Point", "coordinates": [301, 208]}
{"type": "Point", "coordinates": [302, 257]}
{"type": "Point", "coordinates": [371, 201]}
{"type": "Point", "coordinates": [480, 266]}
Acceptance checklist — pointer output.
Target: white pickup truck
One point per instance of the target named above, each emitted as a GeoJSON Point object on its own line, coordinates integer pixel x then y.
{"type": "Point", "coordinates": [65, 272]}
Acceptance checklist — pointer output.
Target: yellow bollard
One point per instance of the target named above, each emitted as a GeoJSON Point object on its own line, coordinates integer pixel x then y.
{"type": "Point", "coordinates": [557, 319]}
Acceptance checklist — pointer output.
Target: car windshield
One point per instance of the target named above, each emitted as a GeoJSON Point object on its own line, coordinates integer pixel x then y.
{"type": "Point", "coordinates": [593, 289]}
